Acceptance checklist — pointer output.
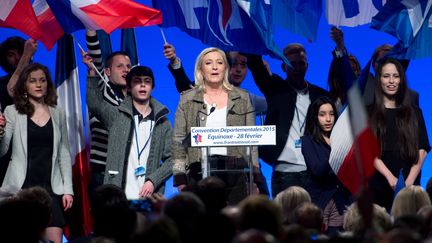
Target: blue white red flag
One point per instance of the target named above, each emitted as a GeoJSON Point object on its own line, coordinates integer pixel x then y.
{"type": "Point", "coordinates": [70, 15]}
{"type": "Point", "coordinates": [232, 25]}
{"type": "Point", "coordinates": [411, 23]}
{"type": "Point", "coordinates": [352, 12]}
{"type": "Point", "coordinates": [68, 89]}
{"type": "Point", "coordinates": [354, 145]}
{"type": "Point", "coordinates": [18, 14]}
{"type": "Point", "coordinates": [298, 16]}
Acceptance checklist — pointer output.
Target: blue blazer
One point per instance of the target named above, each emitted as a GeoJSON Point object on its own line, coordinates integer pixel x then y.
{"type": "Point", "coordinates": [16, 127]}
{"type": "Point", "coordinates": [324, 184]}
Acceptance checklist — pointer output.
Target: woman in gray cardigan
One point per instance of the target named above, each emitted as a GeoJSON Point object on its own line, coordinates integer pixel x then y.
{"type": "Point", "coordinates": [212, 102]}
{"type": "Point", "coordinates": [40, 145]}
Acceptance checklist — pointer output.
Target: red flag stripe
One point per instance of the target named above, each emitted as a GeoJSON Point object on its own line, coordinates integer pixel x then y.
{"type": "Point", "coordinates": [22, 18]}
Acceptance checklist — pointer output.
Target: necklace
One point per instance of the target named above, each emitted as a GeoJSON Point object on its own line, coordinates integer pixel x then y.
{"type": "Point", "coordinates": [212, 101]}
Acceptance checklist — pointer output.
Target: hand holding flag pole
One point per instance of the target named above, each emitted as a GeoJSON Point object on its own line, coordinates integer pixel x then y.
{"type": "Point", "coordinates": [91, 63]}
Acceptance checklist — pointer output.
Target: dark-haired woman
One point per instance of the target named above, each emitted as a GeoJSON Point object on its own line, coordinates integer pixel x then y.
{"type": "Point", "coordinates": [401, 130]}
{"type": "Point", "coordinates": [40, 146]}
{"type": "Point", "coordinates": [325, 189]}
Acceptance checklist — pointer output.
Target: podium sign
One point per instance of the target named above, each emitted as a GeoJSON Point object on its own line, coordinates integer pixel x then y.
{"type": "Point", "coordinates": [233, 136]}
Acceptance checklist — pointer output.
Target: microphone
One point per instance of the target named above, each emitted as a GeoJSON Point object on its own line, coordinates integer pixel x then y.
{"type": "Point", "coordinates": [187, 139]}
{"type": "Point", "coordinates": [197, 119]}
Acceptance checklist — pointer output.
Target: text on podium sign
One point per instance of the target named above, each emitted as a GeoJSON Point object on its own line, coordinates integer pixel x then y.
{"type": "Point", "coordinates": [233, 136]}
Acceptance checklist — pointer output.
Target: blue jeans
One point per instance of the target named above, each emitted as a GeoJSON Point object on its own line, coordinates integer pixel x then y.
{"type": "Point", "coordinates": [282, 180]}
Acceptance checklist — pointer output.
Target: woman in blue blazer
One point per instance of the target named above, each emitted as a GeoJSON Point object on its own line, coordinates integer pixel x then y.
{"type": "Point", "coordinates": [325, 189]}
{"type": "Point", "coordinates": [40, 146]}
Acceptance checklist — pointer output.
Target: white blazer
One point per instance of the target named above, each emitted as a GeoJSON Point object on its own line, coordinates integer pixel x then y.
{"type": "Point", "coordinates": [16, 127]}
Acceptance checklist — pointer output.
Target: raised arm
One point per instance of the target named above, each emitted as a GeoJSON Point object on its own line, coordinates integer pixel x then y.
{"type": "Point", "coordinates": [182, 81]}
{"type": "Point", "coordinates": [30, 47]}
{"type": "Point", "coordinates": [98, 106]}
{"type": "Point", "coordinates": [94, 49]}
{"type": "Point", "coordinates": [260, 73]}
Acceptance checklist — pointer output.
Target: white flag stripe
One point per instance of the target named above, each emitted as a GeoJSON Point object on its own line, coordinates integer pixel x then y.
{"type": "Point", "coordinates": [40, 6]}
{"type": "Point", "coordinates": [355, 102]}
{"type": "Point", "coordinates": [341, 140]}
{"type": "Point", "coordinates": [6, 8]}
{"type": "Point", "coordinates": [336, 14]}
{"type": "Point", "coordinates": [84, 3]}
{"type": "Point", "coordinates": [70, 101]}
{"type": "Point", "coordinates": [84, 18]}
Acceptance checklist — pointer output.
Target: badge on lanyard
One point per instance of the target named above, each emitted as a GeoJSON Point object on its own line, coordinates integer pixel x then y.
{"type": "Point", "coordinates": [297, 143]}
{"type": "Point", "coordinates": [139, 171]}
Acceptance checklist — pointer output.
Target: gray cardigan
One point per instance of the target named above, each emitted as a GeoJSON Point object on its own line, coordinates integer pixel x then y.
{"type": "Point", "coordinates": [119, 122]}
{"type": "Point", "coordinates": [16, 127]}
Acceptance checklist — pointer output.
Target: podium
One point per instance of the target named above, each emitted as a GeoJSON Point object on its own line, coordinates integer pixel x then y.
{"type": "Point", "coordinates": [210, 138]}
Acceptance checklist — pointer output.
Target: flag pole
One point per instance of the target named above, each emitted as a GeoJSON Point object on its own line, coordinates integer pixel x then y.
{"type": "Point", "coordinates": [97, 71]}
{"type": "Point", "coordinates": [163, 35]}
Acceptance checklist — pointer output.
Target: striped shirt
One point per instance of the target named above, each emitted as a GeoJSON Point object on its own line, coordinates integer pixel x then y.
{"type": "Point", "coordinates": [99, 134]}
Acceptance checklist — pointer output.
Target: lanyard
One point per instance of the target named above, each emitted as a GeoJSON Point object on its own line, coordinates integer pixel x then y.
{"type": "Point", "coordinates": [298, 119]}
{"type": "Point", "coordinates": [146, 143]}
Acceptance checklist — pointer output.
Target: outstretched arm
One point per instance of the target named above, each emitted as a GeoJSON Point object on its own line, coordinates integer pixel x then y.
{"type": "Point", "coordinates": [30, 47]}
{"type": "Point", "coordinates": [98, 106]}
{"type": "Point", "coordinates": [182, 81]}
{"type": "Point", "coordinates": [260, 73]}
{"type": "Point", "coordinates": [94, 49]}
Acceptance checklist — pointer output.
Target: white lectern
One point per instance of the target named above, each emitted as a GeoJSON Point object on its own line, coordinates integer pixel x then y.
{"type": "Point", "coordinates": [241, 136]}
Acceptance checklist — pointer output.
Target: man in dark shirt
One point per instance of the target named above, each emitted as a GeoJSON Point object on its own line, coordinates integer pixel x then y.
{"type": "Point", "coordinates": [288, 100]}
{"type": "Point", "coordinates": [11, 51]}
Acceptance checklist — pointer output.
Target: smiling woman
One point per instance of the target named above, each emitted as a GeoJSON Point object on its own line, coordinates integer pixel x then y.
{"type": "Point", "coordinates": [400, 127]}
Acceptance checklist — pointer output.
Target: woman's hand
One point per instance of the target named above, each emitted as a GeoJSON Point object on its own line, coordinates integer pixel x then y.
{"type": "Point", "coordinates": [409, 181]}
{"type": "Point", "coordinates": [67, 201]}
{"type": "Point", "coordinates": [392, 180]}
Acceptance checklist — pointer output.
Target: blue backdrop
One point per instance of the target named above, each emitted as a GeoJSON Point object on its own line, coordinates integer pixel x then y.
{"type": "Point", "coordinates": [360, 41]}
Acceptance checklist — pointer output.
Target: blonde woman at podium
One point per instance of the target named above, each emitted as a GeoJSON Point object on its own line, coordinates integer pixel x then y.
{"type": "Point", "coordinates": [213, 102]}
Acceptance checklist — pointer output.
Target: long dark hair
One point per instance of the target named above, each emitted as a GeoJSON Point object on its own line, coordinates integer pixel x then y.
{"type": "Point", "coordinates": [22, 103]}
{"type": "Point", "coordinates": [312, 123]}
{"type": "Point", "coordinates": [406, 116]}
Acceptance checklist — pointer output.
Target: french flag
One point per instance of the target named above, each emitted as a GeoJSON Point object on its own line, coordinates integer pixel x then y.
{"type": "Point", "coordinates": [47, 21]}
{"type": "Point", "coordinates": [68, 89]}
{"type": "Point", "coordinates": [67, 16]}
{"type": "Point", "coordinates": [18, 14]}
{"type": "Point", "coordinates": [354, 146]}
